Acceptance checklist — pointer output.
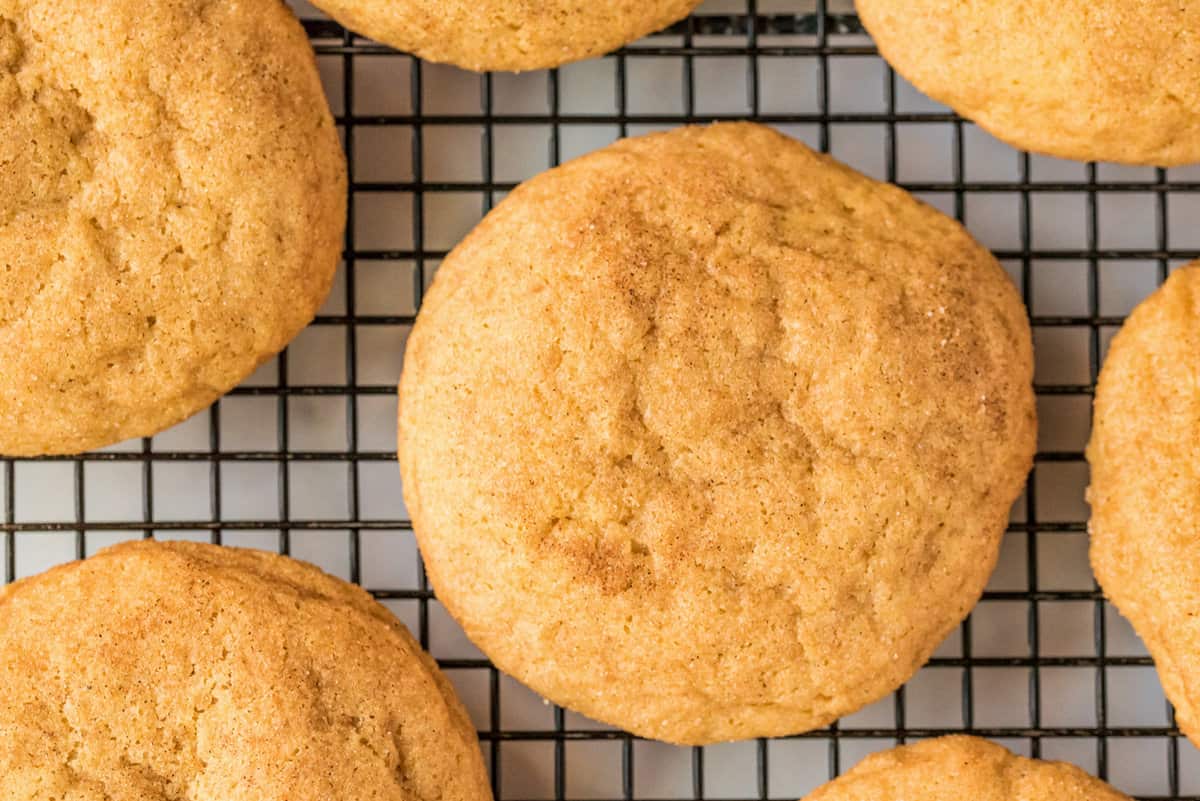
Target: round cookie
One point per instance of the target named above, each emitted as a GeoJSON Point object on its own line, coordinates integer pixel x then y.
{"type": "Point", "coordinates": [1095, 80]}
{"type": "Point", "coordinates": [956, 768]}
{"type": "Point", "coordinates": [172, 200]}
{"type": "Point", "coordinates": [180, 670]}
{"type": "Point", "coordinates": [1145, 484]}
{"type": "Point", "coordinates": [510, 35]}
{"type": "Point", "coordinates": [709, 437]}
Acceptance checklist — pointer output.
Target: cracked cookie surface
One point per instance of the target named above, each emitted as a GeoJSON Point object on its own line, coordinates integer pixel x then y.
{"type": "Point", "coordinates": [163, 671]}
{"type": "Point", "coordinates": [171, 210]}
{"type": "Point", "coordinates": [1144, 456]}
{"type": "Point", "coordinates": [707, 436]}
{"type": "Point", "coordinates": [956, 768]}
{"type": "Point", "coordinates": [1093, 80]}
{"type": "Point", "coordinates": [510, 35]}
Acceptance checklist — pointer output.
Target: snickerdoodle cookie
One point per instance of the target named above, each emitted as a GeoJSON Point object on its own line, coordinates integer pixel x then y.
{"type": "Point", "coordinates": [510, 35]}
{"type": "Point", "coordinates": [171, 209]}
{"type": "Point", "coordinates": [1145, 493]}
{"type": "Point", "coordinates": [1096, 80]}
{"type": "Point", "coordinates": [156, 670]}
{"type": "Point", "coordinates": [708, 436]}
{"type": "Point", "coordinates": [958, 768]}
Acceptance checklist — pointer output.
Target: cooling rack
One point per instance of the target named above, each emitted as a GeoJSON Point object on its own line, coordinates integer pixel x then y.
{"type": "Point", "coordinates": [300, 459]}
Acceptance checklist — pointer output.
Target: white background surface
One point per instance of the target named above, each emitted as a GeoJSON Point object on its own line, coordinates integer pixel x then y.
{"type": "Point", "coordinates": [172, 492]}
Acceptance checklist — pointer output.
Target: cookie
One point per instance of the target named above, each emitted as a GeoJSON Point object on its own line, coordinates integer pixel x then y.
{"type": "Point", "coordinates": [171, 210]}
{"type": "Point", "coordinates": [1094, 80]}
{"type": "Point", "coordinates": [181, 670]}
{"type": "Point", "coordinates": [707, 436]}
{"type": "Point", "coordinates": [956, 768]}
{"type": "Point", "coordinates": [510, 35]}
{"type": "Point", "coordinates": [1145, 484]}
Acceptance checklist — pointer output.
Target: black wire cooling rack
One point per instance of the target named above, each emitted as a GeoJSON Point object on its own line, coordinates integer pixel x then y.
{"type": "Point", "coordinates": [220, 462]}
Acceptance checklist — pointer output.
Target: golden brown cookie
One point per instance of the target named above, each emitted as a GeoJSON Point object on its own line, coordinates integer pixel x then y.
{"type": "Point", "coordinates": [1145, 493]}
{"type": "Point", "coordinates": [511, 35]}
{"type": "Point", "coordinates": [708, 436]}
{"type": "Point", "coordinates": [1095, 80]}
{"type": "Point", "coordinates": [179, 670]}
{"type": "Point", "coordinates": [959, 768]}
{"type": "Point", "coordinates": [171, 210]}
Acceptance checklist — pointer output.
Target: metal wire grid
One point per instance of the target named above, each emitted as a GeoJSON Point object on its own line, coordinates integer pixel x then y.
{"type": "Point", "coordinates": [813, 29]}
